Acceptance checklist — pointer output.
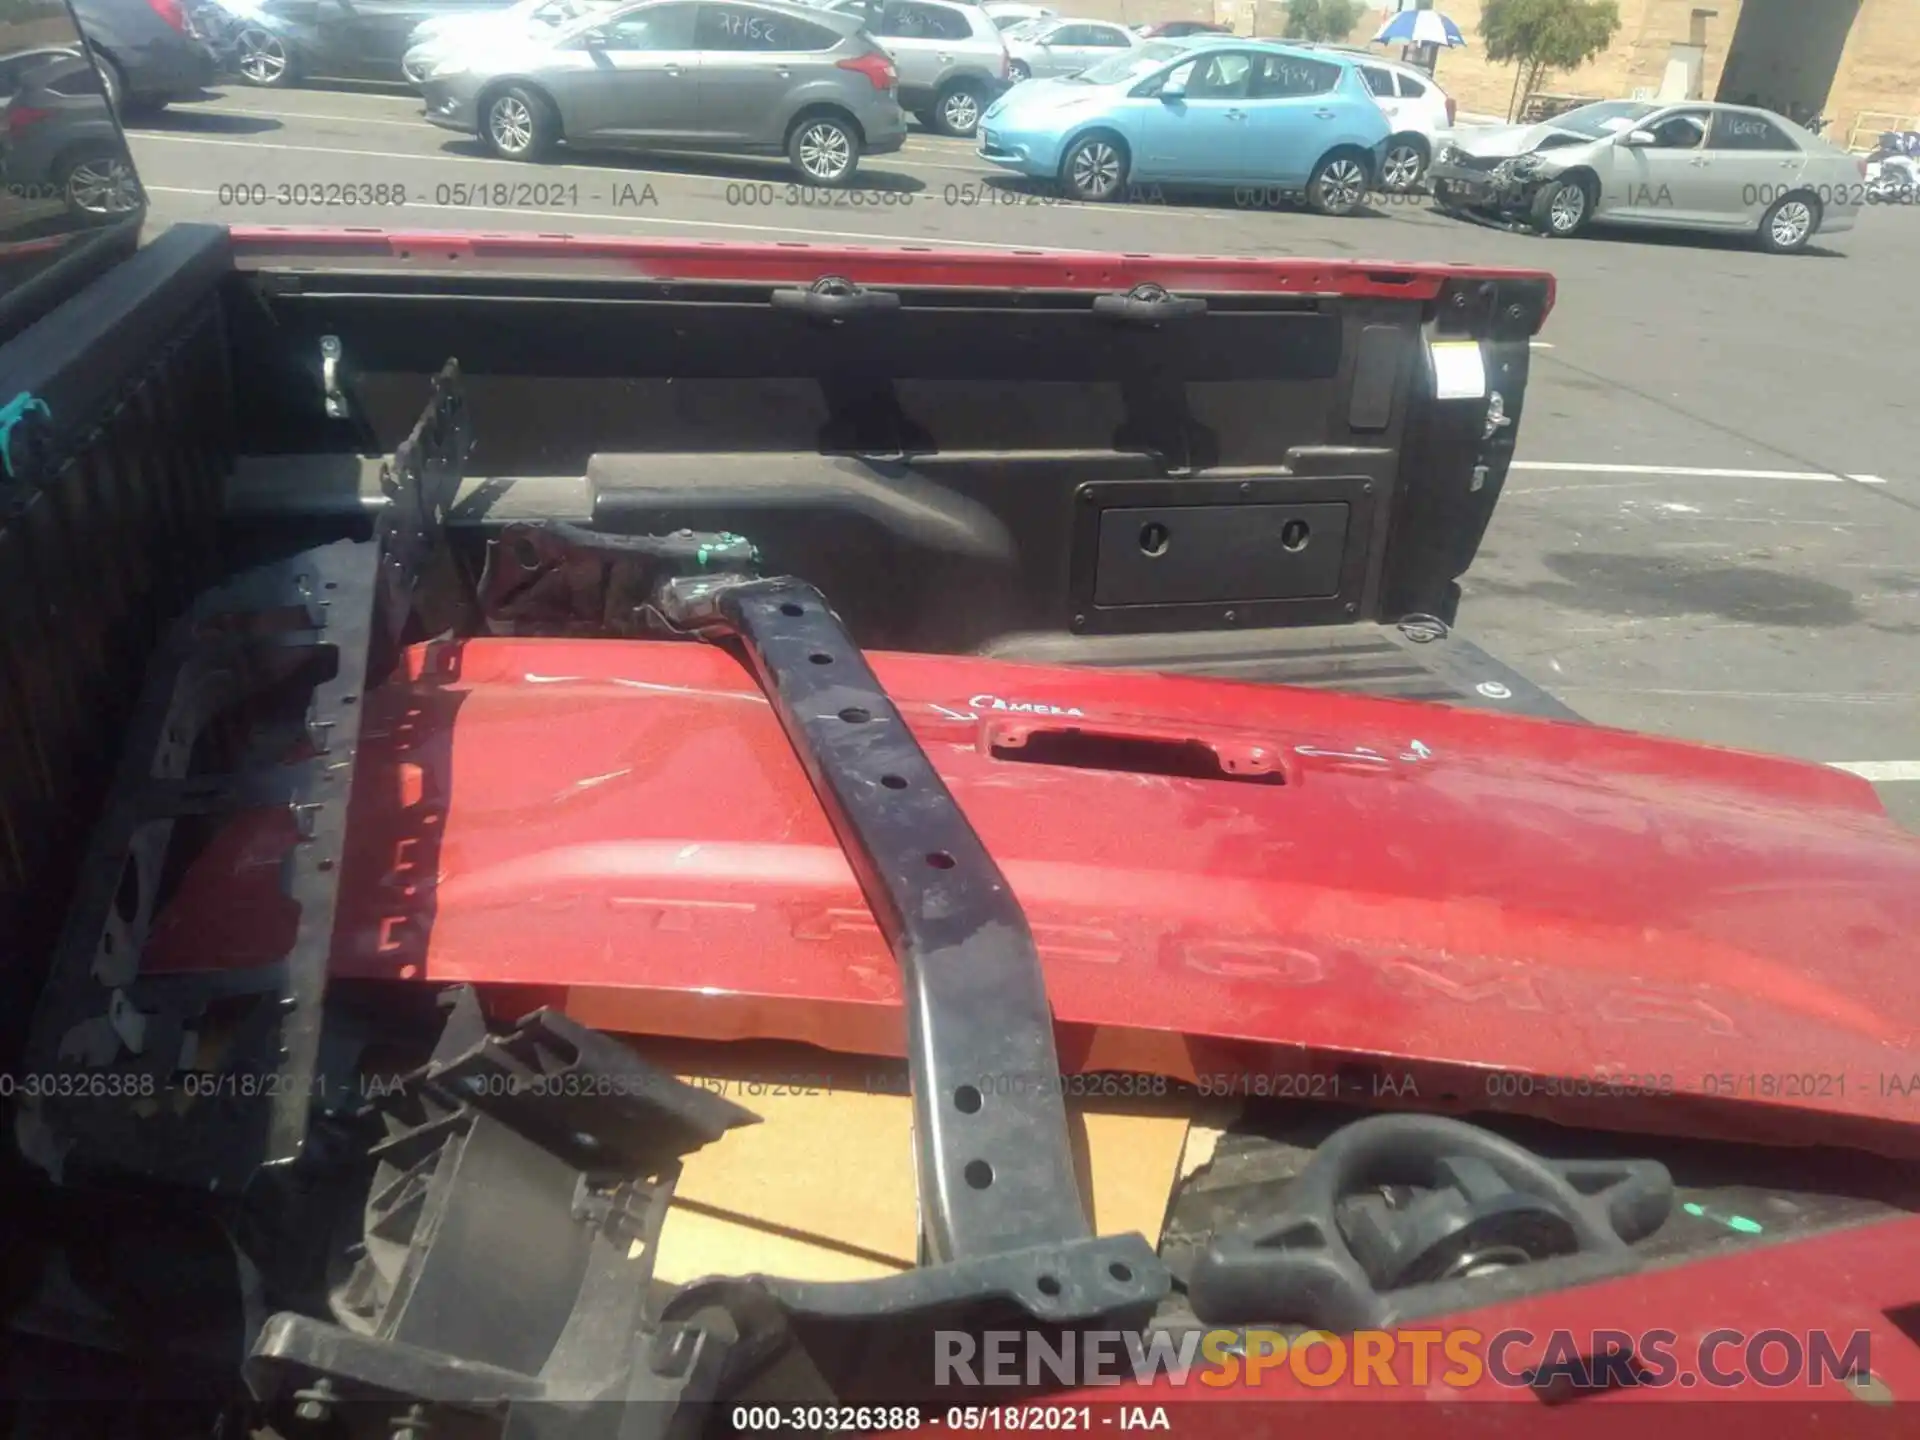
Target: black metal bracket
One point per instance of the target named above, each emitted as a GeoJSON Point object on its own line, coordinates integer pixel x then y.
{"type": "Point", "coordinates": [421, 484]}
{"type": "Point", "coordinates": [147, 1091]}
{"type": "Point", "coordinates": [1148, 304]}
{"type": "Point", "coordinates": [833, 299]}
{"type": "Point", "coordinates": [1005, 1235]}
{"type": "Point", "coordinates": [1398, 1217]}
{"type": "Point", "coordinates": [201, 1077]}
{"type": "Point", "coordinates": [995, 1166]}
{"type": "Point", "coordinates": [510, 1234]}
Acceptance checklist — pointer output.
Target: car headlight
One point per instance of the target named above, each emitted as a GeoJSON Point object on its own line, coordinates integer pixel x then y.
{"type": "Point", "coordinates": [446, 69]}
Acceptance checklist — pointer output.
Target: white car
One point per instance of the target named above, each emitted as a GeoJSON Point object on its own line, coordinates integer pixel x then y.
{"type": "Point", "coordinates": [1421, 113]}
{"type": "Point", "coordinates": [952, 57]}
{"type": "Point", "coordinates": [1050, 49]}
{"type": "Point", "coordinates": [1005, 13]}
{"type": "Point", "coordinates": [433, 40]}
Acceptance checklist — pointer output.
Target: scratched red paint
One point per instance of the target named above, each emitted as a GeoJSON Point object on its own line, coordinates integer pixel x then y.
{"type": "Point", "coordinates": [1433, 886]}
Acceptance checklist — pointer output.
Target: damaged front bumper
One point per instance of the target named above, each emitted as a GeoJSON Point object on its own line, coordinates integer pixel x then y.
{"type": "Point", "coordinates": [1501, 190]}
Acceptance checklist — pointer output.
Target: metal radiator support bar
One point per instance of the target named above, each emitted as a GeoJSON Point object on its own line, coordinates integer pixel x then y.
{"type": "Point", "coordinates": [995, 1166]}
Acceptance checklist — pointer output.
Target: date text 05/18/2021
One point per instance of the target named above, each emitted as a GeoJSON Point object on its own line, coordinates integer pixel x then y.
{"type": "Point", "coordinates": [1350, 1084]}
{"type": "Point", "coordinates": [984, 1419]}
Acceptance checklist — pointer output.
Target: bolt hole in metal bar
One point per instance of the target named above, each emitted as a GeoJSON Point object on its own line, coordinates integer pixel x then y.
{"type": "Point", "coordinates": [995, 1164]}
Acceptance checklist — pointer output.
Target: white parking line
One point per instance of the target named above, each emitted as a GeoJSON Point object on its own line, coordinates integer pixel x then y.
{"type": "Point", "coordinates": [1569, 467]}
{"type": "Point", "coordinates": [1881, 772]}
{"type": "Point", "coordinates": [167, 137]}
{"type": "Point", "coordinates": [628, 218]}
{"type": "Point", "coordinates": [893, 159]}
{"type": "Point", "coordinates": [415, 123]}
{"type": "Point", "coordinates": [629, 171]}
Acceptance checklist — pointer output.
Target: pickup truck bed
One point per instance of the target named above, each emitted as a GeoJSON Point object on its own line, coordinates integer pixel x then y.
{"type": "Point", "coordinates": [1227, 467]}
{"type": "Point", "coordinates": [410, 744]}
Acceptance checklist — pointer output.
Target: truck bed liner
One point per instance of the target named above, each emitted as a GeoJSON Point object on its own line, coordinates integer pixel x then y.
{"type": "Point", "coordinates": [1414, 661]}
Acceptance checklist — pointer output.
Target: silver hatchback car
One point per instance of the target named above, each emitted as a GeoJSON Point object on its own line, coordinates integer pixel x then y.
{"type": "Point", "coordinates": [731, 76]}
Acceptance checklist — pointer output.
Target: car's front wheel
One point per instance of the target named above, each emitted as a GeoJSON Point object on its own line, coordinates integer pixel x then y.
{"type": "Point", "coordinates": [1790, 224]}
{"type": "Point", "coordinates": [825, 149]}
{"type": "Point", "coordinates": [1017, 71]}
{"type": "Point", "coordinates": [958, 111]}
{"type": "Point", "coordinates": [1562, 208]}
{"type": "Point", "coordinates": [519, 124]}
{"type": "Point", "coordinates": [99, 184]}
{"type": "Point", "coordinates": [261, 58]}
{"type": "Point", "coordinates": [1405, 165]}
{"type": "Point", "coordinates": [1338, 185]}
{"type": "Point", "coordinates": [1094, 168]}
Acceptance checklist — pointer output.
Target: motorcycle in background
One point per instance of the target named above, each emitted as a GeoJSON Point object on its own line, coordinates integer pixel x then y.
{"type": "Point", "coordinates": [1893, 169]}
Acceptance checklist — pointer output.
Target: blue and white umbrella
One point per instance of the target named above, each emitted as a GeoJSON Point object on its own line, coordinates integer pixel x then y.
{"type": "Point", "coordinates": [1420, 27]}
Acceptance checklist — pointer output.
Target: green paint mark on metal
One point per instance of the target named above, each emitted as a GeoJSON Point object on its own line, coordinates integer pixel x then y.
{"type": "Point", "coordinates": [1733, 1222]}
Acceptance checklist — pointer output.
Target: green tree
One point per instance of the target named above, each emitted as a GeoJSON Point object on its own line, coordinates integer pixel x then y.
{"type": "Point", "coordinates": [1537, 37]}
{"type": "Point", "coordinates": [1321, 19]}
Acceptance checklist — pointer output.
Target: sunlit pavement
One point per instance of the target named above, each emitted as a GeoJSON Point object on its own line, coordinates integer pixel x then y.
{"type": "Point", "coordinates": [1771, 604]}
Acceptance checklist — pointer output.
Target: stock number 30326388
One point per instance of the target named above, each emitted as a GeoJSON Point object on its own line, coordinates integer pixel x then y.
{"type": "Point", "coordinates": [765, 195]}
{"type": "Point", "coordinates": [314, 193]}
{"type": "Point", "coordinates": [1854, 194]}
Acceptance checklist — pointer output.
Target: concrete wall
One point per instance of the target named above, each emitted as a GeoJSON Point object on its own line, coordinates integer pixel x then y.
{"type": "Point", "coordinates": [1880, 68]}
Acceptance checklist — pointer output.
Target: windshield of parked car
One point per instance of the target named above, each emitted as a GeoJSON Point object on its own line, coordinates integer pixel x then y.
{"type": "Point", "coordinates": [1134, 64]}
{"type": "Point", "coordinates": [1609, 118]}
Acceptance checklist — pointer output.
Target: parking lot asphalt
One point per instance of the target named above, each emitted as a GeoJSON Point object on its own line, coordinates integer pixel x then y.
{"type": "Point", "coordinates": [1714, 527]}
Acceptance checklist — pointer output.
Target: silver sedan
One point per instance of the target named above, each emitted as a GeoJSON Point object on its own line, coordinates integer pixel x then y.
{"type": "Point", "coordinates": [1048, 49]}
{"type": "Point", "coordinates": [1692, 166]}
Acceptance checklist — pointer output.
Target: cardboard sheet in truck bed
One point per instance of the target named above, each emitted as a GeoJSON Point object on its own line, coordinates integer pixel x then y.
{"type": "Point", "coordinates": [823, 1187]}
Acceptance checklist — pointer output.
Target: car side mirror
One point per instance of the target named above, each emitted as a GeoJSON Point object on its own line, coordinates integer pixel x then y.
{"type": "Point", "coordinates": [1639, 138]}
{"type": "Point", "coordinates": [1175, 89]}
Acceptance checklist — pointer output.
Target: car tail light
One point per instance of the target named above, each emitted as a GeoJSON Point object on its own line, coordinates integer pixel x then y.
{"type": "Point", "coordinates": [1006, 61]}
{"type": "Point", "coordinates": [1453, 111]}
{"type": "Point", "coordinates": [1861, 161]}
{"type": "Point", "coordinates": [24, 117]}
{"type": "Point", "coordinates": [876, 67]}
{"type": "Point", "coordinates": [170, 11]}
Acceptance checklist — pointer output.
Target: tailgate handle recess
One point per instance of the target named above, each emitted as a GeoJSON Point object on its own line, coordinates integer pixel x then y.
{"type": "Point", "coordinates": [1135, 752]}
